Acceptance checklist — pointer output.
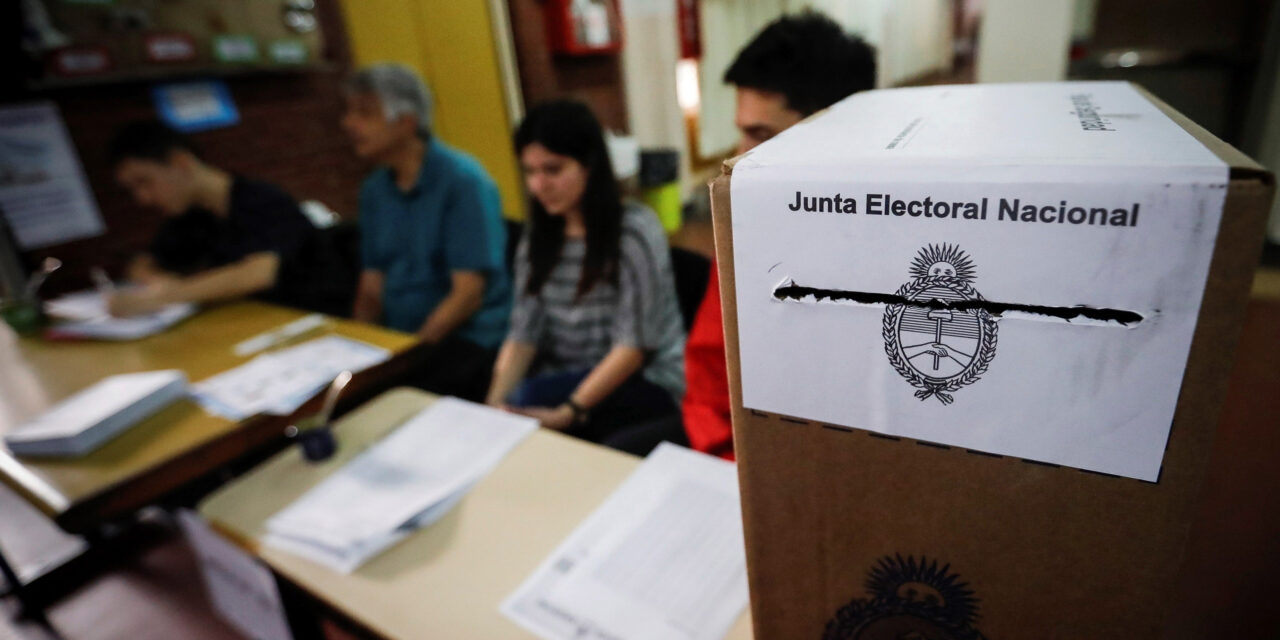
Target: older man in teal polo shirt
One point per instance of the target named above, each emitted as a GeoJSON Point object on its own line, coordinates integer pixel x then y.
{"type": "Point", "coordinates": [432, 236]}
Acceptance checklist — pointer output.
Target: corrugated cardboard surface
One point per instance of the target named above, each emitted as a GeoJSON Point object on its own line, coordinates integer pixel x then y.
{"type": "Point", "coordinates": [1048, 552]}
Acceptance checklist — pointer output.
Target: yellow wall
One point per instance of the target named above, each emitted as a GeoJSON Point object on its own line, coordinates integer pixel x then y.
{"type": "Point", "coordinates": [451, 44]}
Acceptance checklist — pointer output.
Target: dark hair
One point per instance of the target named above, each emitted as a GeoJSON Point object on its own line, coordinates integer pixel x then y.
{"type": "Point", "coordinates": [568, 128]}
{"type": "Point", "coordinates": [808, 58]}
{"type": "Point", "coordinates": [147, 140]}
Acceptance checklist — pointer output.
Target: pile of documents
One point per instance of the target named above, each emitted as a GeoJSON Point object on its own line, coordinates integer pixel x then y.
{"type": "Point", "coordinates": [663, 557]}
{"type": "Point", "coordinates": [90, 418]}
{"type": "Point", "coordinates": [279, 382]}
{"type": "Point", "coordinates": [407, 480]}
{"type": "Point", "coordinates": [84, 315]}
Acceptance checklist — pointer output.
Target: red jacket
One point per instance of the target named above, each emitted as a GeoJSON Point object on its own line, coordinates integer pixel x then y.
{"type": "Point", "coordinates": [706, 396]}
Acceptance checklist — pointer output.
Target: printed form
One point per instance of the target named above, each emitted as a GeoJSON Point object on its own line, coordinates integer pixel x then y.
{"type": "Point", "coordinates": [281, 381]}
{"type": "Point", "coordinates": [663, 557]}
{"type": "Point", "coordinates": [407, 480]}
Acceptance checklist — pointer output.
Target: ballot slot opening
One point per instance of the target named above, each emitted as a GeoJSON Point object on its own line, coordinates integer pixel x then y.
{"type": "Point", "coordinates": [789, 291]}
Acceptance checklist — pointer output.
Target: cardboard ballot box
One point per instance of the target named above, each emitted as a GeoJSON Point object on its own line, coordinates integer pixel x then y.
{"type": "Point", "coordinates": [977, 339]}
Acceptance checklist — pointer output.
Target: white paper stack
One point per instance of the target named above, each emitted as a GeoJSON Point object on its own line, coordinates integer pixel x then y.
{"type": "Point", "coordinates": [663, 557]}
{"type": "Point", "coordinates": [90, 418]}
{"type": "Point", "coordinates": [407, 480]}
{"type": "Point", "coordinates": [281, 381]}
{"type": "Point", "coordinates": [85, 316]}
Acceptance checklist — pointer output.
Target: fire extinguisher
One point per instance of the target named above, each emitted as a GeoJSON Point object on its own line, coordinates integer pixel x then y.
{"type": "Point", "coordinates": [583, 27]}
{"type": "Point", "coordinates": [689, 21]}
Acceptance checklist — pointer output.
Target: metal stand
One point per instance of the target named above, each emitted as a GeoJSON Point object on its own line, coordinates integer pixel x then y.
{"type": "Point", "coordinates": [104, 546]}
{"type": "Point", "coordinates": [29, 607]}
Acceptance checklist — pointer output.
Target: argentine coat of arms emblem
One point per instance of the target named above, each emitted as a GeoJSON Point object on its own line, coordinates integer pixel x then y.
{"type": "Point", "coordinates": [911, 599]}
{"type": "Point", "coordinates": [933, 339]}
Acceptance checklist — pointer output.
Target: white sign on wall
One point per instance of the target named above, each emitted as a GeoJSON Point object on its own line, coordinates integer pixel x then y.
{"type": "Point", "coordinates": [43, 191]}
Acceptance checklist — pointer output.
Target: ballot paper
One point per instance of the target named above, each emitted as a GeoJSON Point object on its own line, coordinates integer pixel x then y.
{"type": "Point", "coordinates": [663, 557]}
{"type": "Point", "coordinates": [279, 335]}
{"type": "Point", "coordinates": [84, 315]}
{"type": "Point", "coordinates": [279, 382]}
{"type": "Point", "coordinates": [1012, 269]}
{"type": "Point", "coordinates": [407, 480]}
{"type": "Point", "coordinates": [95, 415]}
{"type": "Point", "coordinates": [346, 559]}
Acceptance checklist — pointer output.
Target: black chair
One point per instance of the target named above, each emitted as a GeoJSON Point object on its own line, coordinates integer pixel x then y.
{"type": "Point", "coordinates": [692, 271]}
{"type": "Point", "coordinates": [335, 264]}
{"type": "Point", "coordinates": [515, 230]}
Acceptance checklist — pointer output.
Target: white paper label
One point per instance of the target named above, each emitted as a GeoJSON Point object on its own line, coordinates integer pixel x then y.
{"type": "Point", "coordinates": [170, 48]}
{"type": "Point", "coordinates": [242, 591]}
{"type": "Point", "coordinates": [1014, 269]}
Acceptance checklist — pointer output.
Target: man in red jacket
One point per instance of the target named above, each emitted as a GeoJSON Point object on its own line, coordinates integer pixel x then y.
{"type": "Point", "coordinates": [795, 66]}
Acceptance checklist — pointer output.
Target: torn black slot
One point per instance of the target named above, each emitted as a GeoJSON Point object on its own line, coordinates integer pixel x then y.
{"type": "Point", "coordinates": [796, 292]}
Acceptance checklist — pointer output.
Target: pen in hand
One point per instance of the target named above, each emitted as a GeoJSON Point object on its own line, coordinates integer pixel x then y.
{"type": "Point", "coordinates": [102, 282]}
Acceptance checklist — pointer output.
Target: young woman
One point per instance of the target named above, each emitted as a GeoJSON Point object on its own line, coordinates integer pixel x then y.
{"type": "Point", "coordinates": [595, 345]}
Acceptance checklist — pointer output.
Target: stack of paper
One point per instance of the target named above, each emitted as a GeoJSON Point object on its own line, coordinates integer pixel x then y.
{"type": "Point", "coordinates": [407, 480]}
{"type": "Point", "coordinates": [663, 557]}
{"type": "Point", "coordinates": [281, 381]}
{"type": "Point", "coordinates": [85, 315]}
{"type": "Point", "coordinates": [90, 418]}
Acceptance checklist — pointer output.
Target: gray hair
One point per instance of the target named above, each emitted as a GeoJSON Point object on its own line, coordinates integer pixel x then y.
{"type": "Point", "coordinates": [399, 90]}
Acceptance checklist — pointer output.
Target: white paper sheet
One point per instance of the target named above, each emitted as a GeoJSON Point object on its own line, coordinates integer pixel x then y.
{"type": "Point", "coordinates": [99, 402]}
{"type": "Point", "coordinates": [242, 591]}
{"type": "Point", "coordinates": [663, 557]}
{"type": "Point", "coordinates": [85, 316]}
{"type": "Point", "coordinates": [346, 559]}
{"type": "Point", "coordinates": [98, 413]}
{"type": "Point", "coordinates": [408, 479]}
{"type": "Point", "coordinates": [81, 306]}
{"type": "Point", "coordinates": [279, 335]}
{"type": "Point", "coordinates": [1090, 394]}
{"type": "Point", "coordinates": [43, 191]}
{"type": "Point", "coordinates": [279, 382]}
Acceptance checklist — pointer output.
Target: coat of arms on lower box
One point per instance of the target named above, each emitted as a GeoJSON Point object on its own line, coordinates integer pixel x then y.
{"type": "Point", "coordinates": [909, 600]}
{"type": "Point", "coordinates": [934, 340]}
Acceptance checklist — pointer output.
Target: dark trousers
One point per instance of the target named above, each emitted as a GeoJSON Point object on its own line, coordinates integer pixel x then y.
{"type": "Point", "coordinates": [456, 367]}
{"type": "Point", "coordinates": [635, 418]}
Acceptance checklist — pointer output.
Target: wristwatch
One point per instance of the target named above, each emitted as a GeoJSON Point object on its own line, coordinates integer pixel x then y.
{"type": "Point", "coordinates": [580, 413]}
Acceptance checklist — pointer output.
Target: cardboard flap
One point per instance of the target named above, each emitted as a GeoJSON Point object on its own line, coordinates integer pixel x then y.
{"type": "Point", "coordinates": [1242, 166]}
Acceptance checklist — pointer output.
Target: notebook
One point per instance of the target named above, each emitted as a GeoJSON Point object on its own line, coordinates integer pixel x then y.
{"type": "Point", "coordinates": [90, 418]}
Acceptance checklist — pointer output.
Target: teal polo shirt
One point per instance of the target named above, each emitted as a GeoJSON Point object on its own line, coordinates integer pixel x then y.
{"type": "Point", "coordinates": [450, 220]}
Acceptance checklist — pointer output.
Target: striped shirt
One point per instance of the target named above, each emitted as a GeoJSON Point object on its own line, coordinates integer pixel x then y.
{"type": "Point", "coordinates": [641, 311]}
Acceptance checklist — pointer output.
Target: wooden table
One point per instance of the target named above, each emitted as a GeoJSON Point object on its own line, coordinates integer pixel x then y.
{"type": "Point", "coordinates": [1266, 284]}
{"type": "Point", "coordinates": [175, 446]}
{"type": "Point", "coordinates": [447, 580]}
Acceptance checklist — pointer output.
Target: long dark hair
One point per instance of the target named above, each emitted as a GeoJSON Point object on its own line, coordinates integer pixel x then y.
{"type": "Point", "coordinates": [568, 128]}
